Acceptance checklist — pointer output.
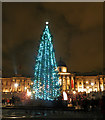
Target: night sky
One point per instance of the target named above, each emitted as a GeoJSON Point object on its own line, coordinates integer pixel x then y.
{"type": "Point", "coordinates": [76, 29]}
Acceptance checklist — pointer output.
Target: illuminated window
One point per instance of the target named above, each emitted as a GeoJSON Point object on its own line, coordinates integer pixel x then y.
{"type": "Point", "coordinates": [67, 86]}
{"type": "Point", "coordinates": [87, 82]}
{"type": "Point", "coordinates": [68, 81]}
{"type": "Point", "coordinates": [63, 81]}
{"type": "Point", "coordinates": [64, 69]}
{"type": "Point", "coordinates": [6, 90]}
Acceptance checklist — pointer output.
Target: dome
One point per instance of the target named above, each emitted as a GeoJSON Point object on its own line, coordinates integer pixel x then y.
{"type": "Point", "coordinates": [61, 63]}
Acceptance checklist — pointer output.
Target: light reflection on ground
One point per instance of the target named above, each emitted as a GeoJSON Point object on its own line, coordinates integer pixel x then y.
{"type": "Point", "coordinates": [23, 113]}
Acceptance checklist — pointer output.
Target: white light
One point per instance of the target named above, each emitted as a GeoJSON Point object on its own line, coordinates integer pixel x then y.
{"type": "Point", "coordinates": [64, 69]}
{"type": "Point", "coordinates": [65, 96]}
{"type": "Point", "coordinates": [86, 81]}
{"type": "Point", "coordinates": [16, 85]}
{"type": "Point", "coordinates": [74, 92]}
{"type": "Point", "coordinates": [46, 23]}
{"type": "Point", "coordinates": [70, 100]}
{"type": "Point", "coordinates": [25, 88]}
{"type": "Point", "coordinates": [34, 92]}
{"type": "Point", "coordinates": [28, 93]}
{"type": "Point", "coordinates": [87, 87]}
{"type": "Point", "coordinates": [60, 81]}
{"type": "Point", "coordinates": [92, 84]}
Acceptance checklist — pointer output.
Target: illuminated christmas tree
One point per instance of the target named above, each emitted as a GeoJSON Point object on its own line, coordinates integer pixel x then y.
{"type": "Point", "coordinates": [46, 85]}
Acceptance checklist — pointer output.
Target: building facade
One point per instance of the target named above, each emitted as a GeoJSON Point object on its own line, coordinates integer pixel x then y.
{"type": "Point", "coordinates": [68, 82]}
{"type": "Point", "coordinates": [66, 79]}
{"type": "Point", "coordinates": [16, 84]}
{"type": "Point", "coordinates": [90, 83]}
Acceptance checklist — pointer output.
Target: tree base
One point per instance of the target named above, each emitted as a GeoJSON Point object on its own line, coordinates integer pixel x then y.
{"type": "Point", "coordinates": [47, 103]}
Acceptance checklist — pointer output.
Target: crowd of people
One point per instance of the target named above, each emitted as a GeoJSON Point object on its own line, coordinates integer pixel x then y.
{"type": "Point", "coordinates": [10, 101]}
{"type": "Point", "coordinates": [81, 100]}
{"type": "Point", "coordinates": [89, 104]}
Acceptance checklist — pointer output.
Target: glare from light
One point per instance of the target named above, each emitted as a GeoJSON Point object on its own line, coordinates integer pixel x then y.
{"type": "Point", "coordinates": [92, 84]}
{"type": "Point", "coordinates": [87, 82]}
{"type": "Point", "coordinates": [65, 96]}
{"type": "Point", "coordinates": [70, 100]}
{"type": "Point", "coordinates": [25, 88]}
{"type": "Point", "coordinates": [6, 90]}
{"type": "Point", "coordinates": [28, 93]}
{"type": "Point", "coordinates": [64, 69]}
{"type": "Point", "coordinates": [60, 81]}
{"type": "Point", "coordinates": [87, 87]}
{"type": "Point", "coordinates": [34, 92]}
{"type": "Point", "coordinates": [46, 23]}
{"type": "Point", "coordinates": [74, 92]}
{"type": "Point", "coordinates": [16, 85]}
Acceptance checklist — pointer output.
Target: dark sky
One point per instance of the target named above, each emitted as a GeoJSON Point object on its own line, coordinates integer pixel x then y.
{"type": "Point", "coordinates": [76, 29]}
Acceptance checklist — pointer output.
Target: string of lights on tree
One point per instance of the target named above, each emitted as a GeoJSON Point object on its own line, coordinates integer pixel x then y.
{"type": "Point", "coordinates": [46, 85]}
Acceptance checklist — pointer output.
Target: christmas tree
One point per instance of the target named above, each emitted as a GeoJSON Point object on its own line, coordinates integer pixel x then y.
{"type": "Point", "coordinates": [46, 79]}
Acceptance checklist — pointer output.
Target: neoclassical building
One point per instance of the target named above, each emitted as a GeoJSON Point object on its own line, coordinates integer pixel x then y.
{"type": "Point", "coordinates": [71, 82]}
{"type": "Point", "coordinates": [68, 82]}
{"type": "Point", "coordinates": [16, 84]}
{"type": "Point", "coordinates": [66, 79]}
{"type": "Point", "coordinates": [90, 83]}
